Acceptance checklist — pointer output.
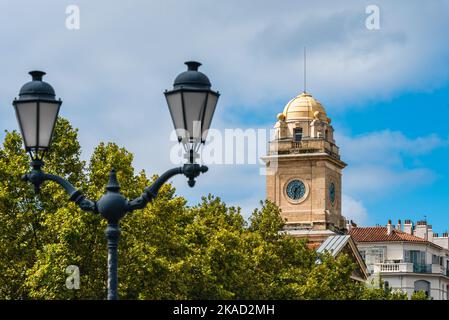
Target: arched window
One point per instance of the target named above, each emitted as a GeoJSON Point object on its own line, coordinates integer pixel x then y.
{"type": "Point", "coordinates": [423, 285]}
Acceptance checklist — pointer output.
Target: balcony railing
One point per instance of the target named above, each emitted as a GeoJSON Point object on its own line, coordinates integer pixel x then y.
{"type": "Point", "coordinates": [393, 267]}
{"type": "Point", "coordinates": [306, 145]}
{"type": "Point", "coordinates": [409, 267]}
{"type": "Point", "coordinates": [422, 268]}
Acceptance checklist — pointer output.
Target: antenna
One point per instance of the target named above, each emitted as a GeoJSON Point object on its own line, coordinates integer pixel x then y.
{"type": "Point", "coordinates": [305, 87]}
{"type": "Point", "coordinates": [305, 70]}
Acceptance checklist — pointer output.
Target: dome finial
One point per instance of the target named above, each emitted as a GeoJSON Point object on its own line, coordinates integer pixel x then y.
{"type": "Point", "coordinates": [192, 65]}
{"type": "Point", "coordinates": [37, 75]}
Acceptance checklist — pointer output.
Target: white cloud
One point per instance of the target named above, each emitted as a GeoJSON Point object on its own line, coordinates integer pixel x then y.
{"type": "Point", "coordinates": [128, 52]}
{"type": "Point", "coordinates": [386, 147]}
{"type": "Point", "coordinates": [378, 180]}
{"type": "Point", "coordinates": [376, 162]}
{"type": "Point", "coordinates": [111, 73]}
{"type": "Point", "coordinates": [354, 210]}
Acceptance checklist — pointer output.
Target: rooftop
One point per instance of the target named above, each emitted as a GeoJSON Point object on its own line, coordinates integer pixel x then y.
{"type": "Point", "coordinates": [334, 244]}
{"type": "Point", "coordinates": [379, 234]}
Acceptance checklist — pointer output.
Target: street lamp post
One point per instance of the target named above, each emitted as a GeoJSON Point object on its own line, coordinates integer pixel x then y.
{"type": "Point", "coordinates": [191, 103]}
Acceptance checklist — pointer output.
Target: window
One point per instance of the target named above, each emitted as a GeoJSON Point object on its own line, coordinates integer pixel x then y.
{"type": "Point", "coordinates": [297, 134]}
{"type": "Point", "coordinates": [376, 255]}
{"type": "Point", "coordinates": [415, 256]}
{"type": "Point", "coordinates": [435, 259]}
{"type": "Point", "coordinates": [373, 255]}
{"type": "Point", "coordinates": [422, 285]}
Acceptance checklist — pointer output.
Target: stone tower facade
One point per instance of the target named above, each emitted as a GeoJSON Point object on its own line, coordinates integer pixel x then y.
{"type": "Point", "coordinates": [304, 170]}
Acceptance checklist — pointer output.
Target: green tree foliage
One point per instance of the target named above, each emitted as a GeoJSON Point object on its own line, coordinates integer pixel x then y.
{"type": "Point", "coordinates": [378, 290]}
{"type": "Point", "coordinates": [167, 250]}
{"type": "Point", "coordinates": [419, 295]}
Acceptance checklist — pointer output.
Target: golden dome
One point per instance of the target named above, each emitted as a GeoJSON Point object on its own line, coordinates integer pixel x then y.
{"type": "Point", "coordinates": [304, 107]}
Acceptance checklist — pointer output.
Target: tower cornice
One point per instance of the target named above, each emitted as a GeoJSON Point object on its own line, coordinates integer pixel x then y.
{"type": "Point", "coordinates": [305, 156]}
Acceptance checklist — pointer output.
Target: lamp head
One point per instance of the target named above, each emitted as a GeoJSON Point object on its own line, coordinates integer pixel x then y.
{"type": "Point", "coordinates": [192, 104]}
{"type": "Point", "coordinates": [37, 111]}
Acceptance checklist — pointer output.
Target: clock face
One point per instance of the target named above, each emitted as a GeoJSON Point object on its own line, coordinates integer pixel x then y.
{"type": "Point", "coordinates": [332, 192]}
{"type": "Point", "coordinates": [296, 189]}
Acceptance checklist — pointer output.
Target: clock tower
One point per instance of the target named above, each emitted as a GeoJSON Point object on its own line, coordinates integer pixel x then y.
{"type": "Point", "coordinates": [304, 170]}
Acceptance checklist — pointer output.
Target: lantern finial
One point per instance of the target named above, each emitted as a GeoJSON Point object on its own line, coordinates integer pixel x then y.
{"type": "Point", "coordinates": [192, 65]}
{"type": "Point", "coordinates": [37, 75]}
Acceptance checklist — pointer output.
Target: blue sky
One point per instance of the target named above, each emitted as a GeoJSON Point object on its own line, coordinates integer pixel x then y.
{"type": "Point", "coordinates": [386, 90]}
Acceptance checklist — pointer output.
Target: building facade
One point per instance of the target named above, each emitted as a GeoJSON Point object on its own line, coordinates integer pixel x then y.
{"type": "Point", "coordinates": [304, 170]}
{"type": "Point", "coordinates": [407, 257]}
{"type": "Point", "coordinates": [304, 178]}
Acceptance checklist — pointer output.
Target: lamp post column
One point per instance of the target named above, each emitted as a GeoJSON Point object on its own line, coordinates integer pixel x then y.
{"type": "Point", "coordinates": [112, 235]}
{"type": "Point", "coordinates": [113, 206]}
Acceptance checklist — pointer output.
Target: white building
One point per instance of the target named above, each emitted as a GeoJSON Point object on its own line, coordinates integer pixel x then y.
{"type": "Point", "coordinates": [407, 257]}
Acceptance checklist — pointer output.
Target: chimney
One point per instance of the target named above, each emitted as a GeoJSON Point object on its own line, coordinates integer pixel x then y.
{"type": "Point", "coordinates": [350, 224]}
{"type": "Point", "coordinates": [441, 241]}
{"type": "Point", "coordinates": [408, 227]}
{"type": "Point", "coordinates": [421, 229]}
{"type": "Point", "coordinates": [399, 226]}
{"type": "Point", "coordinates": [389, 227]}
{"type": "Point", "coordinates": [430, 233]}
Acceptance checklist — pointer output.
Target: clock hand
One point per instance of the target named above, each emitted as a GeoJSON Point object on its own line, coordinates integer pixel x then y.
{"type": "Point", "coordinates": [296, 193]}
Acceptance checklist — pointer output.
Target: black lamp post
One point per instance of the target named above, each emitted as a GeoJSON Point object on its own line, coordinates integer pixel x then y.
{"type": "Point", "coordinates": [192, 105]}
{"type": "Point", "coordinates": [37, 110]}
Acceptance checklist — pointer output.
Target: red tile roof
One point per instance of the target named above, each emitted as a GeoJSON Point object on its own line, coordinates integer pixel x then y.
{"type": "Point", "coordinates": [379, 234]}
{"type": "Point", "coordinates": [313, 245]}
